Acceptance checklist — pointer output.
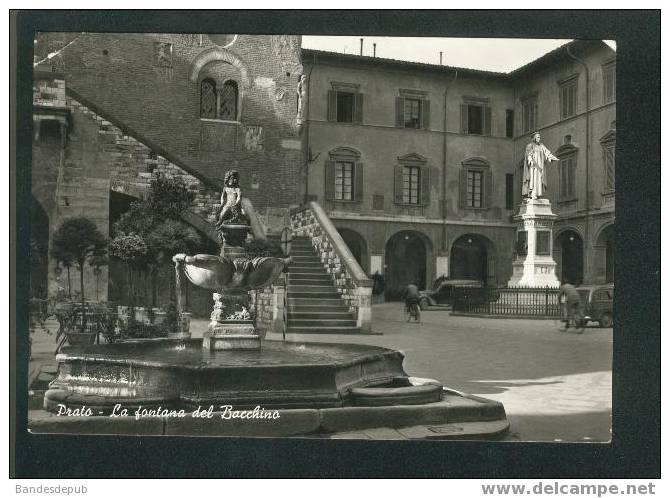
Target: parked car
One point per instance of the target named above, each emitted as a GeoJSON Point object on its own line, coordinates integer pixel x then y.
{"type": "Point", "coordinates": [442, 293]}
{"type": "Point", "coordinates": [598, 301]}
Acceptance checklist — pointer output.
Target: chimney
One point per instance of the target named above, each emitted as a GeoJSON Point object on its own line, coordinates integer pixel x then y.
{"type": "Point", "coordinates": [361, 46]}
{"type": "Point", "coordinates": [374, 50]}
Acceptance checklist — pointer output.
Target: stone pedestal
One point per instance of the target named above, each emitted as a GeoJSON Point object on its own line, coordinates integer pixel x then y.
{"type": "Point", "coordinates": [534, 265]}
{"type": "Point", "coordinates": [232, 325]}
{"type": "Point", "coordinates": [231, 334]}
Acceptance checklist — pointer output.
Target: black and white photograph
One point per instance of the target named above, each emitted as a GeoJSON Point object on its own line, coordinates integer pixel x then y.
{"type": "Point", "coordinates": [322, 236]}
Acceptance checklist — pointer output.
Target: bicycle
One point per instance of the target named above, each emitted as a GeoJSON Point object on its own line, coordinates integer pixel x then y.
{"type": "Point", "coordinates": [572, 319]}
{"type": "Point", "coordinates": [413, 310]}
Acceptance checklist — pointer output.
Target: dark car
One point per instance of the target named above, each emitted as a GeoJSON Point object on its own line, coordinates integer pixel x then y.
{"type": "Point", "coordinates": [442, 293]}
{"type": "Point", "coordinates": [598, 301]}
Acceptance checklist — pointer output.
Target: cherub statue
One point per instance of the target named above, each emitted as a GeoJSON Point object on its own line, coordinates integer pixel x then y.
{"type": "Point", "coordinates": [231, 209]}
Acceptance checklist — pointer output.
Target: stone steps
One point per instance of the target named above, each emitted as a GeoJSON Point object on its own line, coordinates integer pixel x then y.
{"type": "Point", "coordinates": [327, 306]}
{"type": "Point", "coordinates": [314, 288]}
{"type": "Point", "coordinates": [308, 279]}
{"type": "Point", "coordinates": [319, 322]}
{"type": "Point", "coordinates": [315, 295]}
{"type": "Point", "coordinates": [340, 314]}
{"type": "Point", "coordinates": [315, 305]}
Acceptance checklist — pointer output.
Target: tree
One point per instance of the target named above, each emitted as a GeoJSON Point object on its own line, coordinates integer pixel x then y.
{"type": "Point", "coordinates": [76, 241]}
{"type": "Point", "coordinates": [131, 249]}
{"type": "Point", "coordinates": [155, 220]}
{"type": "Point", "coordinates": [169, 238]}
{"type": "Point", "coordinates": [166, 199]}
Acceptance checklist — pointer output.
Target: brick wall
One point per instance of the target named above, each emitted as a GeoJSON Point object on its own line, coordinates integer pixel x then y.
{"type": "Point", "coordinates": [157, 101]}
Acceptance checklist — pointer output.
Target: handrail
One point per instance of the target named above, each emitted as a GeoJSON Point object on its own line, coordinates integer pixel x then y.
{"type": "Point", "coordinates": [346, 257]}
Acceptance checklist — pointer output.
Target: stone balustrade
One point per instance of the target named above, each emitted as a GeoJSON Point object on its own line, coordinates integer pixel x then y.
{"type": "Point", "coordinates": [348, 276]}
{"type": "Point", "coordinates": [268, 304]}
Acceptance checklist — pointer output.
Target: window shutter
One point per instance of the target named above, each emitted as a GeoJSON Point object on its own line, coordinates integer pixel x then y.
{"type": "Point", "coordinates": [425, 114]}
{"type": "Point", "coordinates": [358, 182]}
{"type": "Point", "coordinates": [332, 105]}
{"type": "Point", "coordinates": [488, 189]}
{"type": "Point", "coordinates": [487, 121]}
{"type": "Point", "coordinates": [397, 185]}
{"type": "Point", "coordinates": [464, 118]}
{"type": "Point", "coordinates": [400, 112]}
{"type": "Point", "coordinates": [330, 180]}
{"type": "Point", "coordinates": [463, 186]}
{"type": "Point", "coordinates": [358, 108]}
{"type": "Point", "coordinates": [425, 186]}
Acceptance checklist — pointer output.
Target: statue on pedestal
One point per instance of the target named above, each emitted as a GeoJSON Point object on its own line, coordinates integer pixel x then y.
{"type": "Point", "coordinates": [534, 175]}
{"type": "Point", "coordinates": [231, 275]}
{"type": "Point", "coordinates": [231, 196]}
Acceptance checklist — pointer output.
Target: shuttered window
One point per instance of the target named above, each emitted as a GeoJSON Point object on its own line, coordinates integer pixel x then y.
{"type": "Point", "coordinates": [344, 184]}
{"type": "Point", "coordinates": [412, 182]}
{"type": "Point", "coordinates": [476, 119]}
{"type": "Point", "coordinates": [411, 178]}
{"type": "Point", "coordinates": [345, 106]}
{"type": "Point", "coordinates": [609, 82]}
{"type": "Point", "coordinates": [509, 123]}
{"type": "Point", "coordinates": [529, 115]}
{"type": "Point", "coordinates": [608, 156]}
{"type": "Point", "coordinates": [476, 184]}
{"type": "Point", "coordinates": [567, 178]}
{"type": "Point", "coordinates": [474, 188]}
{"type": "Point", "coordinates": [412, 112]}
{"type": "Point", "coordinates": [568, 98]}
{"type": "Point", "coordinates": [344, 176]}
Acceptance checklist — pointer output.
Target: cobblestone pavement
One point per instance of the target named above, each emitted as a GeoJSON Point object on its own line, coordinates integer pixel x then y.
{"type": "Point", "coordinates": [555, 386]}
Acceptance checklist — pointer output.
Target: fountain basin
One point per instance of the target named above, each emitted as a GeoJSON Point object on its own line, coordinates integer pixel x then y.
{"type": "Point", "coordinates": [184, 375]}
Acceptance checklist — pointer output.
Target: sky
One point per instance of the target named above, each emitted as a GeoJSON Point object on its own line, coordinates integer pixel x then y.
{"type": "Point", "coordinates": [490, 54]}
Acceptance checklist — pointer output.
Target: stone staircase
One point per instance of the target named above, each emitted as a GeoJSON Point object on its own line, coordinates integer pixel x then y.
{"type": "Point", "coordinates": [314, 303]}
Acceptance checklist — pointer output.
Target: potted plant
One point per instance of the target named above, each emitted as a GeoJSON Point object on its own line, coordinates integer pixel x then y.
{"type": "Point", "coordinates": [76, 242]}
{"type": "Point", "coordinates": [132, 250]}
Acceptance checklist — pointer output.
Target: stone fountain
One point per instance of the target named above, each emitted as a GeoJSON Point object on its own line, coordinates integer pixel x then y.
{"type": "Point", "coordinates": [233, 366]}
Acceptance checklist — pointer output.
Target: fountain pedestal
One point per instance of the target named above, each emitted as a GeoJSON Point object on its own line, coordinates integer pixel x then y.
{"type": "Point", "coordinates": [228, 335]}
{"type": "Point", "coordinates": [231, 325]}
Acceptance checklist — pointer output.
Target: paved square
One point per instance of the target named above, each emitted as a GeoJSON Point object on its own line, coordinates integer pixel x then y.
{"type": "Point", "coordinates": [555, 386]}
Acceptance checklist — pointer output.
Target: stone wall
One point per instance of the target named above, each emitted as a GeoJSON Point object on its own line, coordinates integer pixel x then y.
{"type": "Point", "coordinates": [270, 307]}
{"type": "Point", "coordinates": [133, 165]}
{"type": "Point", "coordinates": [149, 86]}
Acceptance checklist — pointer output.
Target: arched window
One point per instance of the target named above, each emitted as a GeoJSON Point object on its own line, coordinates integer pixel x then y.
{"type": "Point", "coordinates": [228, 101]}
{"type": "Point", "coordinates": [208, 99]}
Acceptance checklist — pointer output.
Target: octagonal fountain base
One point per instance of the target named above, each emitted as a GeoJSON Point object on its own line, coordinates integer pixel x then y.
{"type": "Point", "coordinates": [182, 373]}
{"type": "Point", "coordinates": [315, 388]}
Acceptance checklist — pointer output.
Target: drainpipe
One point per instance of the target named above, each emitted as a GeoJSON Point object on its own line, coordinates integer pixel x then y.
{"type": "Point", "coordinates": [306, 129]}
{"type": "Point", "coordinates": [444, 167]}
{"type": "Point", "coordinates": [588, 120]}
